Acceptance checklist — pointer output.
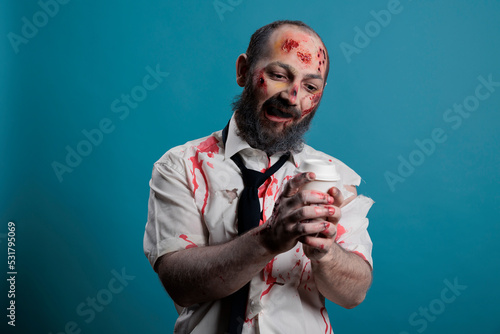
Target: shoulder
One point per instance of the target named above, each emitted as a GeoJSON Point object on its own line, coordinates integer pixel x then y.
{"type": "Point", "coordinates": [180, 156]}
{"type": "Point", "coordinates": [348, 175]}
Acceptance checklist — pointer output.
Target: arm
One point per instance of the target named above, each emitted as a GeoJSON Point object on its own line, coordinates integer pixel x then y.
{"type": "Point", "coordinates": [213, 272]}
{"type": "Point", "coordinates": [207, 273]}
{"type": "Point", "coordinates": [341, 276]}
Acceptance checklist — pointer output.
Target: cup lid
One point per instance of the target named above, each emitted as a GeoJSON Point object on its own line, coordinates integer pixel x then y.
{"type": "Point", "coordinates": [324, 170]}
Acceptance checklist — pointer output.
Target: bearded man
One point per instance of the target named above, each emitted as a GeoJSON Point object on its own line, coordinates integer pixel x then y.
{"type": "Point", "coordinates": [237, 243]}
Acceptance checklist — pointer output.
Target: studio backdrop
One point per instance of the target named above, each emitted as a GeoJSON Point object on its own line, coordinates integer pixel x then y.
{"type": "Point", "coordinates": [92, 93]}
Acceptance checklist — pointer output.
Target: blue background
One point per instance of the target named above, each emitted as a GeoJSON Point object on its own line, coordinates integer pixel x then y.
{"type": "Point", "coordinates": [440, 224]}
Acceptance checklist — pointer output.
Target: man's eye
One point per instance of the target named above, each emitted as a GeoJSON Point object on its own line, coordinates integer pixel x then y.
{"type": "Point", "coordinates": [279, 76]}
{"type": "Point", "coordinates": [311, 87]}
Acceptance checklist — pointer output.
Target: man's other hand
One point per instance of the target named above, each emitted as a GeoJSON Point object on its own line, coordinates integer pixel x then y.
{"type": "Point", "coordinates": [303, 215]}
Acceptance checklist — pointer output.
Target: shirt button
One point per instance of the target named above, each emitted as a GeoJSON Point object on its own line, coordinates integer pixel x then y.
{"type": "Point", "coordinates": [255, 307]}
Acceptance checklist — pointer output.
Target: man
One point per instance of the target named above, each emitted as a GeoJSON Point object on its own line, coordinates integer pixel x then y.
{"type": "Point", "coordinates": [302, 250]}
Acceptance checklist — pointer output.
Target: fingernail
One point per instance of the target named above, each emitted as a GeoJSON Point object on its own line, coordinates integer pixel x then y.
{"type": "Point", "coordinates": [330, 200]}
{"type": "Point", "coordinates": [331, 210]}
{"type": "Point", "coordinates": [326, 225]}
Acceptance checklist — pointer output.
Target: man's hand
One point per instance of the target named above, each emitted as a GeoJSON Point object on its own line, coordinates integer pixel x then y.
{"type": "Point", "coordinates": [317, 246]}
{"type": "Point", "coordinates": [300, 215]}
{"type": "Point", "coordinates": [311, 217]}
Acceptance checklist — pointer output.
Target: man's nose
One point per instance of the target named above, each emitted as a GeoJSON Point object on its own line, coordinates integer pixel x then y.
{"type": "Point", "coordinates": [290, 94]}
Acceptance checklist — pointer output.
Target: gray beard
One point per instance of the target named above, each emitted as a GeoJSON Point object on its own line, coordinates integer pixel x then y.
{"type": "Point", "coordinates": [257, 130]}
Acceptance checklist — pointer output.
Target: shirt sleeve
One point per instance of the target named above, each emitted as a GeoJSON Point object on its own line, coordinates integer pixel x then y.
{"type": "Point", "coordinates": [174, 221]}
{"type": "Point", "coordinates": [352, 233]}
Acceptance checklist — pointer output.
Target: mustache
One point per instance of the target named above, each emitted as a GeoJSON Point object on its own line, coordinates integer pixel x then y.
{"type": "Point", "coordinates": [283, 106]}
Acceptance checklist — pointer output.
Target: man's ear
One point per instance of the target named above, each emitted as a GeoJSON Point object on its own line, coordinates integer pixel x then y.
{"type": "Point", "coordinates": [242, 69]}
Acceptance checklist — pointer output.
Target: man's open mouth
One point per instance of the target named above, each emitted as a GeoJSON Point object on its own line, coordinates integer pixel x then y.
{"type": "Point", "coordinates": [276, 114]}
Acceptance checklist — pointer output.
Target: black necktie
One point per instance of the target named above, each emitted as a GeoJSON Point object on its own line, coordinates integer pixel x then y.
{"type": "Point", "coordinates": [249, 212]}
{"type": "Point", "coordinates": [249, 215]}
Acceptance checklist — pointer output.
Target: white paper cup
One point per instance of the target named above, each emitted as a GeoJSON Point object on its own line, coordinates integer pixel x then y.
{"type": "Point", "coordinates": [326, 175]}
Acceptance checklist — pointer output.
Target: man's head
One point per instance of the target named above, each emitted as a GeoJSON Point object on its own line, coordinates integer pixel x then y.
{"type": "Point", "coordinates": [284, 73]}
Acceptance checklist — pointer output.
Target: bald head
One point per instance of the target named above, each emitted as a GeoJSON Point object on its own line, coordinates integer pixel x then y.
{"type": "Point", "coordinates": [259, 45]}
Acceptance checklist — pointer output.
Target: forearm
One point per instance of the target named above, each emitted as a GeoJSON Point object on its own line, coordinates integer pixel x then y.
{"type": "Point", "coordinates": [202, 274]}
{"type": "Point", "coordinates": [342, 277]}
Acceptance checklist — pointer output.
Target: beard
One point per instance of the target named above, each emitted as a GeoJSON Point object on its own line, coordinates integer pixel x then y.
{"type": "Point", "coordinates": [259, 132]}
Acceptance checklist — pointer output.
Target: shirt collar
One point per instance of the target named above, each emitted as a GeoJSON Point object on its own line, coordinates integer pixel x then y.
{"type": "Point", "coordinates": [235, 144]}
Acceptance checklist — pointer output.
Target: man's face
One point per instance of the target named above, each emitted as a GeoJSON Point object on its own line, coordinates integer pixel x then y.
{"type": "Point", "coordinates": [289, 80]}
{"type": "Point", "coordinates": [283, 91]}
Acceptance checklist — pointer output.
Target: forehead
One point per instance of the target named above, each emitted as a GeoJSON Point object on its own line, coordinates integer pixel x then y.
{"type": "Point", "coordinates": [289, 40]}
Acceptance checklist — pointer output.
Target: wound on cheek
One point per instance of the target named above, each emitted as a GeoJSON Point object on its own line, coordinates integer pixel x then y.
{"type": "Point", "coordinates": [261, 82]}
{"type": "Point", "coordinates": [315, 98]}
{"type": "Point", "coordinates": [314, 101]}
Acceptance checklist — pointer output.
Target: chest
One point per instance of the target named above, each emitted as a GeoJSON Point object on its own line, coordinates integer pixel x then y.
{"type": "Point", "coordinates": [217, 184]}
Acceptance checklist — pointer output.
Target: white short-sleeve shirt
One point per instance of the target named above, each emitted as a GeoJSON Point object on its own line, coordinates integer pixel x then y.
{"type": "Point", "coordinates": [193, 200]}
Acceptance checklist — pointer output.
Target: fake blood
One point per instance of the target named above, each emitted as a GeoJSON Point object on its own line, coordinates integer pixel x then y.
{"type": "Point", "coordinates": [308, 274]}
{"type": "Point", "coordinates": [261, 82]}
{"type": "Point", "coordinates": [340, 231]}
{"type": "Point", "coordinates": [314, 100]}
{"type": "Point", "coordinates": [326, 322]}
{"type": "Point", "coordinates": [208, 146]}
{"type": "Point", "coordinates": [270, 188]}
{"type": "Point", "coordinates": [185, 238]}
{"type": "Point", "coordinates": [289, 44]}
{"type": "Point", "coordinates": [265, 185]}
{"type": "Point", "coordinates": [270, 279]}
{"type": "Point", "coordinates": [304, 57]}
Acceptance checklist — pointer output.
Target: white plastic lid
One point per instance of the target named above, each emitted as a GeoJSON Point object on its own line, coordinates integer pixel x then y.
{"type": "Point", "coordinates": [324, 170]}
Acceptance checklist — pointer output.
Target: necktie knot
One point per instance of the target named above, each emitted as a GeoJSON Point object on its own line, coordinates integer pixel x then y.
{"type": "Point", "coordinates": [254, 179]}
{"type": "Point", "coordinates": [251, 178]}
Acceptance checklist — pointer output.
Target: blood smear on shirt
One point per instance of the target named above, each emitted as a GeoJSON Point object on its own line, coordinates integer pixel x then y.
{"type": "Point", "coordinates": [185, 238]}
{"type": "Point", "coordinates": [271, 280]}
{"type": "Point", "coordinates": [340, 231]}
{"type": "Point", "coordinates": [326, 322]}
{"type": "Point", "coordinates": [308, 274]}
{"type": "Point", "coordinates": [208, 146]}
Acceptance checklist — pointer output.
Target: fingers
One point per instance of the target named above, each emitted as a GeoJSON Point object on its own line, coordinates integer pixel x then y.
{"type": "Point", "coordinates": [317, 228]}
{"type": "Point", "coordinates": [307, 197]}
{"type": "Point", "coordinates": [293, 186]}
{"type": "Point", "coordinates": [313, 228]}
{"type": "Point", "coordinates": [321, 244]}
{"type": "Point", "coordinates": [312, 212]}
{"type": "Point", "coordinates": [338, 198]}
